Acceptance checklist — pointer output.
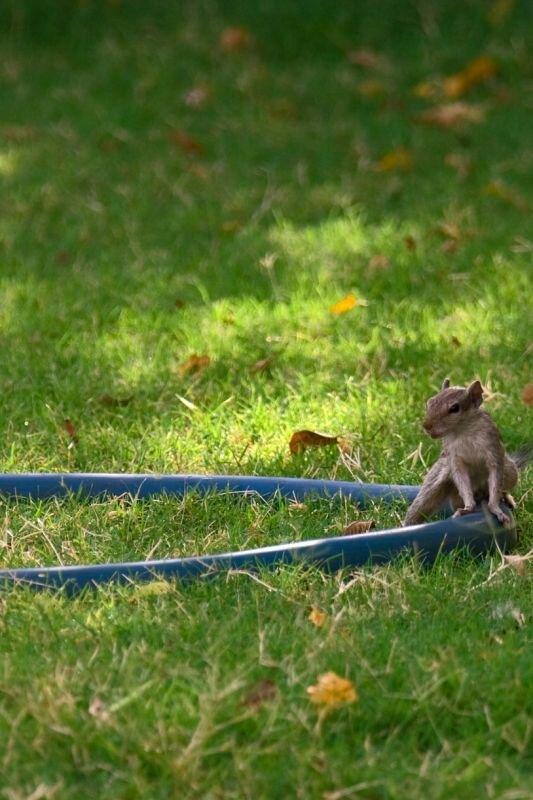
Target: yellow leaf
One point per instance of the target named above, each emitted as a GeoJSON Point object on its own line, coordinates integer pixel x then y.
{"type": "Point", "coordinates": [344, 305]}
{"type": "Point", "coordinates": [478, 71]}
{"type": "Point", "coordinates": [317, 617]}
{"type": "Point", "coordinates": [501, 192]}
{"type": "Point", "coordinates": [396, 160]}
{"type": "Point", "coordinates": [331, 690]}
{"type": "Point", "coordinates": [154, 588]}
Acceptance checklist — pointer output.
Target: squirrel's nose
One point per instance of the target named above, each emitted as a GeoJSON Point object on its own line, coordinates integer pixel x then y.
{"type": "Point", "coordinates": [426, 425]}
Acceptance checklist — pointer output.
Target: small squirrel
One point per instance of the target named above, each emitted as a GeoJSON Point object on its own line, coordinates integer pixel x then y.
{"type": "Point", "coordinates": [473, 466]}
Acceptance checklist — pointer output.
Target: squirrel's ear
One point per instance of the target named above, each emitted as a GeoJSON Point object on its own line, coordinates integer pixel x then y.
{"type": "Point", "coordinates": [446, 384]}
{"type": "Point", "coordinates": [475, 392]}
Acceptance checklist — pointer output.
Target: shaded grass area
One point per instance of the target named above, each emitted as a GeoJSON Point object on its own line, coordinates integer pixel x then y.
{"type": "Point", "coordinates": [138, 229]}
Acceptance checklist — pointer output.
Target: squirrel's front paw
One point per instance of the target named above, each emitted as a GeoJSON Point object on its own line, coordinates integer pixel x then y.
{"type": "Point", "coordinates": [499, 514]}
{"type": "Point", "coordinates": [466, 510]}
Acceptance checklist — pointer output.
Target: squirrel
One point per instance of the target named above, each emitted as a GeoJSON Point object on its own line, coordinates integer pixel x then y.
{"type": "Point", "coordinates": [473, 466]}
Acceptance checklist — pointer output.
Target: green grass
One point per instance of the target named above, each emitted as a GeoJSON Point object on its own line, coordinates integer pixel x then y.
{"type": "Point", "coordinates": [105, 223]}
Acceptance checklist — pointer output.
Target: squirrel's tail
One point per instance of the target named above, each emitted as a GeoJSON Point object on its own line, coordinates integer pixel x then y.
{"type": "Point", "coordinates": [523, 456]}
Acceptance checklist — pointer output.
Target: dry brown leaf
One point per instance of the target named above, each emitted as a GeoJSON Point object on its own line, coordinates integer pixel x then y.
{"type": "Point", "coordinates": [452, 115]}
{"type": "Point", "coordinates": [449, 230]}
{"type": "Point", "coordinates": [199, 170]}
{"type": "Point", "coordinates": [478, 71]}
{"type": "Point", "coordinates": [331, 691]}
{"type": "Point", "coordinates": [410, 242]}
{"type": "Point", "coordinates": [197, 97]}
{"type": "Point", "coordinates": [263, 691]}
{"type": "Point", "coordinates": [344, 305]}
{"type": "Point", "coordinates": [460, 163]}
{"type": "Point", "coordinates": [70, 429]}
{"type": "Point", "coordinates": [194, 364]}
{"type": "Point", "coordinates": [317, 617]}
{"type": "Point", "coordinates": [379, 262]}
{"type": "Point", "coordinates": [300, 440]}
{"type": "Point", "coordinates": [527, 394]}
{"type": "Point", "coordinates": [359, 526]}
{"type": "Point", "coordinates": [450, 246]}
{"type": "Point", "coordinates": [455, 341]}
{"type": "Point", "coordinates": [261, 365]}
{"type": "Point", "coordinates": [185, 142]}
{"type": "Point", "coordinates": [518, 563]}
{"type": "Point", "coordinates": [400, 160]}
{"type": "Point", "coordinates": [234, 39]}
{"type": "Point", "coordinates": [368, 59]}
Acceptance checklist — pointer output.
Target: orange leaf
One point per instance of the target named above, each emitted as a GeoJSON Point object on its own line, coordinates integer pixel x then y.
{"type": "Point", "coordinates": [478, 71]}
{"type": "Point", "coordinates": [331, 690]}
{"type": "Point", "coordinates": [300, 440]}
{"type": "Point", "coordinates": [194, 364]}
{"type": "Point", "coordinates": [527, 394]}
{"type": "Point", "coordinates": [360, 526]}
{"type": "Point", "coordinates": [344, 305]}
{"type": "Point", "coordinates": [261, 365]}
{"type": "Point", "coordinates": [396, 160]}
{"type": "Point", "coordinates": [451, 115]}
{"type": "Point", "coordinates": [317, 617]}
{"type": "Point", "coordinates": [186, 143]}
{"type": "Point", "coordinates": [232, 39]}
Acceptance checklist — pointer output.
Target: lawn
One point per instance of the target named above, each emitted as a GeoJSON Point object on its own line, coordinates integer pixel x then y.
{"type": "Point", "coordinates": [187, 190]}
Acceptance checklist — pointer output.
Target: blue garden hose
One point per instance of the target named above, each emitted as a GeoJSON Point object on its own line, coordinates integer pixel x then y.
{"type": "Point", "coordinates": [476, 532]}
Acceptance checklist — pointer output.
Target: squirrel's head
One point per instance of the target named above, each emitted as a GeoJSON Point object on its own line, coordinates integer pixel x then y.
{"type": "Point", "coordinates": [450, 410]}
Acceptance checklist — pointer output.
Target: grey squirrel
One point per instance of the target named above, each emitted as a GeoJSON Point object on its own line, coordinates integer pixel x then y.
{"type": "Point", "coordinates": [473, 466]}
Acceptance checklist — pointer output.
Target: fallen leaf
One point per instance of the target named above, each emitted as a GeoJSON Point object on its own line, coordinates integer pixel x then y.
{"type": "Point", "coordinates": [527, 394]}
{"type": "Point", "coordinates": [455, 341]}
{"type": "Point", "coordinates": [179, 303]}
{"type": "Point", "coordinates": [331, 690]}
{"type": "Point", "coordinates": [410, 243]}
{"type": "Point", "coordinates": [186, 143]}
{"type": "Point", "coordinates": [300, 440]}
{"type": "Point", "coordinates": [449, 230]}
{"type": "Point", "coordinates": [460, 163]}
{"type": "Point", "coordinates": [194, 364]}
{"type": "Point", "coordinates": [450, 246]}
{"type": "Point", "coordinates": [452, 115]}
{"type": "Point", "coordinates": [200, 171]}
{"type": "Point", "coordinates": [99, 710]}
{"type": "Point", "coordinates": [264, 691]}
{"type": "Point", "coordinates": [359, 526]}
{"type": "Point", "coordinates": [518, 563]}
{"type": "Point", "coordinates": [502, 192]}
{"type": "Point", "coordinates": [70, 429]}
{"type": "Point", "coordinates": [379, 262]}
{"type": "Point", "coordinates": [428, 90]}
{"type": "Point", "coordinates": [397, 160]}
{"type": "Point", "coordinates": [344, 305]}
{"type": "Point", "coordinates": [261, 365]}
{"type": "Point", "coordinates": [368, 59]}
{"type": "Point", "coordinates": [317, 617]}
{"type": "Point", "coordinates": [197, 97]}
{"type": "Point", "coordinates": [478, 71]}
{"type": "Point", "coordinates": [114, 402]}
{"type": "Point", "coordinates": [235, 38]}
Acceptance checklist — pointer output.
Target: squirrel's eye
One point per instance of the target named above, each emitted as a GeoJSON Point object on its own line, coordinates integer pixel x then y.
{"type": "Point", "coordinates": [454, 409]}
